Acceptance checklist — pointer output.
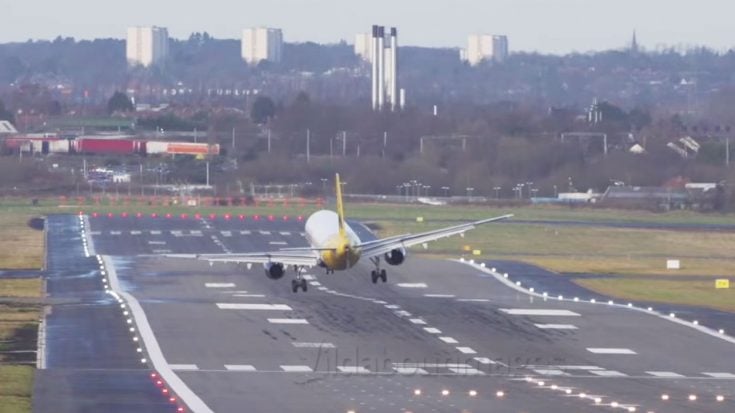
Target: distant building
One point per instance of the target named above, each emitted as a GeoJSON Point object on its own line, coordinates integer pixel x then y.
{"type": "Point", "coordinates": [385, 91]}
{"type": "Point", "coordinates": [485, 47]}
{"type": "Point", "coordinates": [146, 46]}
{"type": "Point", "coordinates": [262, 43]}
{"type": "Point", "coordinates": [364, 46]}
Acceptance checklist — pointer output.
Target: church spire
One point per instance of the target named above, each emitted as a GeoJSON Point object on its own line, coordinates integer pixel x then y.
{"type": "Point", "coordinates": [634, 43]}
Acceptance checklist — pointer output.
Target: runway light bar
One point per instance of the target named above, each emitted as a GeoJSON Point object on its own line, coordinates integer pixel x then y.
{"type": "Point", "coordinates": [417, 392]}
{"type": "Point", "coordinates": [473, 393]}
{"type": "Point", "coordinates": [445, 392]}
{"type": "Point", "coordinates": [180, 409]}
{"type": "Point", "coordinates": [172, 399]}
{"type": "Point", "coordinates": [541, 384]}
{"type": "Point", "coordinates": [672, 315]}
{"type": "Point", "coordinates": [568, 391]}
{"type": "Point", "coordinates": [241, 217]}
{"type": "Point", "coordinates": [720, 398]}
{"type": "Point", "coordinates": [500, 394]}
{"type": "Point", "coordinates": [582, 395]}
{"type": "Point", "coordinates": [598, 400]}
{"type": "Point", "coordinates": [695, 322]}
{"type": "Point", "coordinates": [614, 404]}
{"type": "Point", "coordinates": [593, 301]}
{"type": "Point", "coordinates": [664, 397]}
{"type": "Point", "coordinates": [631, 409]}
{"type": "Point", "coordinates": [721, 331]}
{"type": "Point", "coordinates": [164, 390]}
{"type": "Point", "coordinates": [154, 375]}
{"type": "Point", "coordinates": [576, 299]}
{"type": "Point", "coordinates": [692, 397]}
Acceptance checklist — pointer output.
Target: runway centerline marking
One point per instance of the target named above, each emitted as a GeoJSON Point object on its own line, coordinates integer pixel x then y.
{"type": "Point", "coordinates": [466, 350]}
{"type": "Point", "coordinates": [412, 285]}
{"type": "Point", "coordinates": [288, 321]}
{"type": "Point", "coordinates": [219, 285]}
{"type": "Point", "coordinates": [556, 326]}
{"type": "Point", "coordinates": [240, 367]}
{"type": "Point", "coordinates": [448, 340]}
{"type": "Point", "coordinates": [297, 369]}
{"type": "Point", "coordinates": [665, 374]}
{"type": "Point", "coordinates": [718, 375]}
{"type": "Point", "coordinates": [299, 344]}
{"type": "Point", "coordinates": [539, 312]}
{"type": "Point", "coordinates": [254, 306]}
{"type": "Point", "coordinates": [624, 351]}
{"type": "Point", "coordinates": [608, 373]}
{"type": "Point", "coordinates": [353, 369]}
{"type": "Point", "coordinates": [184, 367]}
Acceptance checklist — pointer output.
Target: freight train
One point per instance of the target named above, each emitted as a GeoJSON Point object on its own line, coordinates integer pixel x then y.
{"type": "Point", "coordinates": [107, 146]}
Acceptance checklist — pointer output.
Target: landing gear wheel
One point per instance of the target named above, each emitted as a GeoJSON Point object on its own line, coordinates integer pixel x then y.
{"type": "Point", "coordinates": [303, 285]}
{"type": "Point", "coordinates": [294, 286]}
{"type": "Point", "coordinates": [374, 276]}
{"type": "Point", "coordinates": [383, 275]}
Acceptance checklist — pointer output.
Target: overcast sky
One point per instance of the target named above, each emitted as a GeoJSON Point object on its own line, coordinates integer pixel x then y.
{"type": "Point", "coordinates": [552, 26]}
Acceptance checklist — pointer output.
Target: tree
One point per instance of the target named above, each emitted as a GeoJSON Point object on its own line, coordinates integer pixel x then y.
{"type": "Point", "coordinates": [5, 114]}
{"type": "Point", "coordinates": [119, 102]}
{"type": "Point", "coordinates": [263, 110]}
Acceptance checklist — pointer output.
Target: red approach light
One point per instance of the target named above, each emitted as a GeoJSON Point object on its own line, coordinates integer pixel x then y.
{"type": "Point", "coordinates": [228, 216]}
{"type": "Point", "coordinates": [124, 214]}
{"type": "Point", "coordinates": [256, 217]}
{"type": "Point", "coordinates": [154, 375]}
{"type": "Point", "coordinates": [241, 216]}
{"type": "Point", "coordinates": [172, 399]}
{"type": "Point", "coordinates": [271, 217]}
{"type": "Point", "coordinates": [212, 216]}
{"type": "Point", "coordinates": [180, 409]}
{"type": "Point", "coordinates": [300, 218]}
{"type": "Point", "coordinates": [164, 390]}
{"type": "Point", "coordinates": [110, 215]}
{"type": "Point", "coordinates": [94, 215]}
{"type": "Point", "coordinates": [168, 215]}
{"type": "Point", "coordinates": [159, 383]}
{"type": "Point", "coordinates": [285, 217]}
{"type": "Point", "coordinates": [198, 216]}
{"type": "Point", "coordinates": [184, 216]}
{"type": "Point", "coordinates": [139, 215]}
{"type": "Point", "coordinates": [154, 215]}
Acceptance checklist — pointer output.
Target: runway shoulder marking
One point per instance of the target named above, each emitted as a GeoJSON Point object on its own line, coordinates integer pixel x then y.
{"type": "Point", "coordinates": [432, 330]}
{"type": "Point", "coordinates": [625, 351]}
{"type": "Point", "coordinates": [219, 285]}
{"type": "Point", "coordinates": [184, 367]}
{"type": "Point", "coordinates": [473, 300]}
{"type": "Point", "coordinates": [412, 285]}
{"type": "Point", "coordinates": [439, 295]}
{"type": "Point", "coordinates": [297, 369]}
{"type": "Point", "coordinates": [470, 371]}
{"type": "Point", "coordinates": [300, 344]}
{"type": "Point", "coordinates": [556, 326]}
{"type": "Point", "coordinates": [717, 375]}
{"type": "Point", "coordinates": [608, 373]}
{"type": "Point", "coordinates": [251, 306]}
{"type": "Point", "coordinates": [550, 372]}
{"type": "Point", "coordinates": [664, 374]}
{"type": "Point", "coordinates": [353, 369]}
{"type": "Point", "coordinates": [240, 367]}
{"type": "Point", "coordinates": [539, 312]}
{"type": "Point", "coordinates": [466, 350]}
{"type": "Point", "coordinates": [448, 340]}
{"type": "Point", "coordinates": [288, 321]}
{"type": "Point", "coordinates": [278, 243]}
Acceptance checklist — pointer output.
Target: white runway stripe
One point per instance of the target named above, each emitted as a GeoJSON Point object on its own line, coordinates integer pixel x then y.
{"type": "Point", "coordinates": [115, 232]}
{"type": "Point", "coordinates": [265, 232]}
{"type": "Point", "coordinates": [249, 295]}
{"type": "Point", "coordinates": [418, 321]}
{"type": "Point", "coordinates": [556, 326]}
{"type": "Point", "coordinates": [468, 371]}
{"type": "Point", "coordinates": [439, 295]}
{"type": "Point", "coordinates": [226, 233]}
{"type": "Point", "coordinates": [550, 372]}
{"type": "Point", "coordinates": [539, 312]}
{"type": "Point", "coordinates": [720, 375]}
{"type": "Point", "coordinates": [245, 232]}
{"type": "Point", "coordinates": [285, 233]}
{"type": "Point", "coordinates": [240, 367]}
{"type": "Point", "coordinates": [296, 369]}
{"type": "Point", "coordinates": [402, 313]}
{"type": "Point", "coordinates": [278, 243]}
{"type": "Point", "coordinates": [154, 232]}
{"type": "Point", "coordinates": [611, 351]}
{"type": "Point", "coordinates": [466, 350]}
{"type": "Point", "coordinates": [412, 285]}
{"type": "Point", "coordinates": [135, 232]}
{"type": "Point", "coordinates": [298, 344]}
{"type": "Point", "coordinates": [219, 285]}
{"type": "Point", "coordinates": [266, 307]}
{"type": "Point", "coordinates": [288, 321]}
{"type": "Point", "coordinates": [309, 277]}
{"type": "Point", "coordinates": [433, 365]}
{"type": "Point", "coordinates": [608, 373]}
{"type": "Point", "coordinates": [410, 370]}
{"type": "Point", "coordinates": [432, 330]}
{"type": "Point", "coordinates": [184, 367]}
{"type": "Point", "coordinates": [484, 360]}
{"type": "Point", "coordinates": [448, 340]}
{"type": "Point", "coordinates": [157, 242]}
{"type": "Point", "coordinates": [473, 300]}
{"type": "Point", "coordinates": [353, 369]}
{"type": "Point", "coordinates": [664, 374]}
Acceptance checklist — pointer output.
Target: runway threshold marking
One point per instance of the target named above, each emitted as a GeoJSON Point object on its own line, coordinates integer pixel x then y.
{"type": "Point", "coordinates": [665, 374]}
{"type": "Point", "coordinates": [539, 312]}
{"type": "Point", "coordinates": [410, 370]}
{"type": "Point", "coordinates": [624, 351]}
{"type": "Point", "coordinates": [240, 367]}
{"type": "Point", "coordinates": [298, 344]}
{"type": "Point", "coordinates": [297, 369]}
{"type": "Point", "coordinates": [448, 340]}
{"type": "Point", "coordinates": [470, 371]}
{"type": "Point", "coordinates": [254, 306]}
{"type": "Point", "coordinates": [550, 372]}
{"type": "Point", "coordinates": [219, 285]}
{"type": "Point", "coordinates": [418, 321]}
{"type": "Point", "coordinates": [484, 360]}
{"type": "Point", "coordinates": [608, 373]}
{"type": "Point", "coordinates": [556, 326]}
{"type": "Point", "coordinates": [288, 321]}
{"type": "Point", "coordinates": [353, 369]}
{"type": "Point", "coordinates": [432, 330]}
{"type": "Point", "coordinates": [718, 375]}
{"type": "Point", "coordinates": [466, 350]}
{"type": "Point", "coordinates": [412, 285]}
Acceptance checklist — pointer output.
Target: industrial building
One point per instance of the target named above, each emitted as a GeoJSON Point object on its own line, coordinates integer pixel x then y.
{"type": "Point", "coordinates": [364, 46]}
{"type": "Point", "coordinates": [262, 43]}
{"type": "Point", "coordinates": [146, 46]}
{"type": "Point", "coordinates": [384, 76]}
{"type": "Point", "coordinates": [482, 47]}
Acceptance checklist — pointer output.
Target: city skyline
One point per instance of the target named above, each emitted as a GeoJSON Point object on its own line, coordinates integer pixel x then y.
{"type": "Point", "coordinates": [557, 27]}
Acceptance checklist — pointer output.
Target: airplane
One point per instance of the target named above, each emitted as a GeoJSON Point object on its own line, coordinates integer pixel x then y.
{"type": "Point", "coordinates": [334, 246]}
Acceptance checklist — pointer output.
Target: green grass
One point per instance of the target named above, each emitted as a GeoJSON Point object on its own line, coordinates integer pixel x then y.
{"type": "Point", "coordinates": [695, 293]}
{"type": "Point", "coordinates": [20, 246]}
{"type": "Point", "coordinates": [20, 288]}
{"type": "Point", "coordinates": [16, 385]}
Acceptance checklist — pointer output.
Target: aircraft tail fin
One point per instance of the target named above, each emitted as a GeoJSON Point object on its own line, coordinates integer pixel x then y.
{"type": "Point", "coordinates": [340, 207]}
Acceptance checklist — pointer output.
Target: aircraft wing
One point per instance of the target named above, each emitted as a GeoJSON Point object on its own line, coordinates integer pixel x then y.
{"type": "Point", "coordinates": [382, 246]}
{"type": "Point", "coordinates": [306, 257]}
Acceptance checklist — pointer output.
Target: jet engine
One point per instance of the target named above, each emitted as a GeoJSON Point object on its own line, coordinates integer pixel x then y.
{"type": "Point", "coordinates": [395, 256]}
{"type": "Point", "coordinates": [274, 270]}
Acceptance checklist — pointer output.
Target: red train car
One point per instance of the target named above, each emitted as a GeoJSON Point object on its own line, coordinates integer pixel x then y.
{"type": "Point", "coordinates": [108, 146]}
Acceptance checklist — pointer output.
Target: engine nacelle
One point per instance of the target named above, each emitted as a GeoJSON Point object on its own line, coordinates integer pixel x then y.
{"type": "Point", "coordinates": [396, 256]}
{"type": "Point", "coordinates": [274, 270]}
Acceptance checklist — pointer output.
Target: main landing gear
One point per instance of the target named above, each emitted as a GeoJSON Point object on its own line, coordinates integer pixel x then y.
{"type": "Point", "coordinates": [377, 273]}
{"type": "Point", "coordinates": [300, 281]}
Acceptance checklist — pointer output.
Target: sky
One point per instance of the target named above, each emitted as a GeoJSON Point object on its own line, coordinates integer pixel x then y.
{"type": "Point", "coordinates": [547, 26]}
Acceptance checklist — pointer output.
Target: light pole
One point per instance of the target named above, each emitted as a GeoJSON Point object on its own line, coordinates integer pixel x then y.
{"type": "Point", "coordinates": [446, 191]}
{"type": "Point", "coordinates": [426, 190]}
{"type": "Point", "coordinates": [469, 192]}
{"type": "Point", "coordinates": [497, 191]}
{"type": "Point", "coordinates": [324, 186]}
{"type": "Point", "coordinates": [556, 192]}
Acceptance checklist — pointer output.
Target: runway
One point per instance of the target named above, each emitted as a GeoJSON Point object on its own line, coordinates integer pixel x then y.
{"type": "Point", "coordinates": [440, 336]}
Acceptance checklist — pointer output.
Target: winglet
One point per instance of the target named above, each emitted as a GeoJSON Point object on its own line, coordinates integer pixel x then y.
{"type": "Point", "coordinates": [340, 208]}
